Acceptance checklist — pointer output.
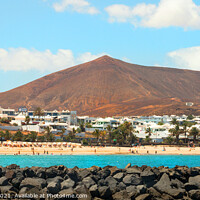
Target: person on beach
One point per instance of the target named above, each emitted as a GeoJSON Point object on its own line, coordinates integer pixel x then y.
{"type": "Point", "coordinates": [164, 148]}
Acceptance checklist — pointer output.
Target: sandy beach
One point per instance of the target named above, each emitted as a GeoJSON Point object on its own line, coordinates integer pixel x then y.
{"type": "Point", "coordinates": [142, 150]}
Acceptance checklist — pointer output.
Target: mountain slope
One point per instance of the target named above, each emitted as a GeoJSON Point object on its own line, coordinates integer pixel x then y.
{"type": "Point", "coordinates": [108, 86]}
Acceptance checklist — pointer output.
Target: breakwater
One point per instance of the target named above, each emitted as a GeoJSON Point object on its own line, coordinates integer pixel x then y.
{"type": "Point", "coordinates": [132, 182]}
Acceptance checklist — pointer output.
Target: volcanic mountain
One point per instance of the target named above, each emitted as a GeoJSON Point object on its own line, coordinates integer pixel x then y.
{"type": "Point", "coordinates": [107, 87]}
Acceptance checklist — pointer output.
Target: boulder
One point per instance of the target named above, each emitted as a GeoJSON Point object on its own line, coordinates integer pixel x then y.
{"type": "Point", "coordinates": [120, 195]}
{"type": "Point", "coordinates": [102, 182]}
{"type": "Point", "coordinates": [176, 183]}
{"type": "Point", "coordinates": [104, 192]}
{"type": "Point", "coordinates": [112, 183]}
{"type": "Point", "coordinates": [119, 176]}
{"type": "Point", "coordinates": [84, 173]}
{"type": "Point", "coordinates": [33, 182]}
{"type": "Point", "coordinates": [3, 181]}
{"type": "Point", "coordinates": [28, 172]}
{"type": "Point", "coordinates": [69, 183]}
{"type": "Point", "coordinates": [88, 181]}
{"type": "Point", "coordinates": [133, 170]}
{"type": "Point", "coordinates": [72, 174]}
{"type": "Point", "coordinates": [194, 194]}
{"type": "Point", "coordinates": [94, 190]}
{"type": "Point", "coordinates": [16, 182]}
{"type": "Point", "coordinates": [10, 174]}
{"type": "Point", "coordinates": [8, 189]}
{"type": "Point", "coordinates": [54, 187]}
{"type": "Point", "coordinates": [121, 186]}
{"type": "Point", "coordinates": [141, 189]}
{"type": "Point", "coordinates": [153, 192]}
{"type": "Point", "coordinates": [131, 188]}
{"type": "Point", "coordinates": [132, 179]}
{"type": "Point", "coordinates": [51, 172]}
{"type": "Point", "coordinates": [40, 173]}
{"type": "Point", "coordinates": [143, 197]}
{"type": "Point", "coordinates": [195, 181]}
{"type": "Point", "coordinates": [82, 190]}
{"type": "Point", "coordinates": [190, 186]}
{"type": "Point", "coordinates": [13, 166]}
{"type": "Point", "coordinates": [55, 179]}
{"type": "Point", "coordinates": [104, 173]}
{"type": "Point", "coordinates": [114, 170]}
{"type": "Point", "coordinates": [163, 184]}
{"type": "Point", "coordinates": [148, 177]}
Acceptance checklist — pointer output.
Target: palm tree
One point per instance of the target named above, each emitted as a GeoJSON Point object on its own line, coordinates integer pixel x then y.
{"type": "Point", "coordinates": [32, 136]}
{"type": "Point", "coordinates": [149, 132]}
{"type": "Point", "coordinates": [2, 135]}
{"type": "Point", "coordinates": [132, 138]}
{"type": "Point", "coordinates": [38, 112]}
{"type": "Point", "coordinates": [102, 135]}
{"type": "Point", "coordinates": [168, 140]}
{"type": "Point", "coordinates": [7, 135]}
{"type": "Point", "coordinates": [62, 133]}
{"type": "Point", "coordinates": [27, 120]}
{"type": "Point", "coordinates": [174, 121]}
{"type": "Point", "coordinates": [125, 129]}
{"type": "Point", "coordinates": [18, 136]}
{"type": "Point", "coordinates": [82, 126]}
{"type": "Point", "coordinates": [96, 133]}
{"type": "Point", "coordinates": [51, 137]}
{"type": "Point", "coordinates": [47, 132]}
{"type": "Point", "coordinates": [109, 131]}
{"type": "Point", "coordinates": [176, 131]}
{"type": "Point", "coordinates": [186, 124]}
{"type": "Point", "coordinates": [194, 132]}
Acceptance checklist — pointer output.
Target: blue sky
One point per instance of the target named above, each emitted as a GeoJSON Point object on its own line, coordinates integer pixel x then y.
{"type": "Point", "coordinates": [38, 37]}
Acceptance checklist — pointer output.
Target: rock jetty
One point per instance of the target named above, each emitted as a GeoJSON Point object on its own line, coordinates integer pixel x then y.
{"type": "Point", "coordinates": [132, 182]}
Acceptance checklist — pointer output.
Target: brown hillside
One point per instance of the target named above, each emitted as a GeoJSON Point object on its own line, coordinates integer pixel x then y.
{"type": "Point", "coordinates": [107, 87]}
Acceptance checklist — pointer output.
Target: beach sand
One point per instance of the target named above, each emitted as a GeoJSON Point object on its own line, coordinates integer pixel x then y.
{"type": "Point", "coordinates": [142, 150]}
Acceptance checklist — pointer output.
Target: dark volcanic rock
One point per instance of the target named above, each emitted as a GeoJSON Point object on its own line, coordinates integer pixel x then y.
{"type": "Point", "coordinates": [104, 192]}
{"type": "Point", "coordinates": [194, 194]}
{"type": "Point", "coordinates": [67, 184]}
{"type": "Point", "coordinates": [3, 181]}
{"type": "Point", "coordinates": [33, 182]}
{"type": "Point", "coordinates": [88, 181]}
{"type": "Point", "coordinates": [109, 183]}
{"type": "Point", "coordinates": [195, 181]}
{"type": "Point", "coordinates": [119, 176]}
{"type": "Point", "coordinates": [54, 187]}
{"type": "Point", "coordinates": [132, 179]}
{"type": "Point", "coordinates": [94, 190]}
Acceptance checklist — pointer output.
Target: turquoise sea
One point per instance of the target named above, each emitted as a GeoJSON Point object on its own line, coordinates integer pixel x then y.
{"type": "Point", "coordinates": [84, 161]}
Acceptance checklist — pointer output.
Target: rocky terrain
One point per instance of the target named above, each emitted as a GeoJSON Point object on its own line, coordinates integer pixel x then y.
{"type": "Point", "coordinates": [108, 87]}
{"type": "Point", "coordinates": [133, 182]}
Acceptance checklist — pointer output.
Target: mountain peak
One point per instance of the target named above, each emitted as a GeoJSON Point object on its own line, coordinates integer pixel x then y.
{"type": "Point", "coordinates": [105, 58]}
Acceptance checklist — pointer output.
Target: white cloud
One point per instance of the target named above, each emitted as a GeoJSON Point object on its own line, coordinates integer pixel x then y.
{"type": "Point", "coordinates": [21, 59]}
{"type": "Point", "coordinates": [86, 57]}
{"type": "Point", "coordinates": [178, 13]}
{"type": "Point", "coordinates": [186, 58]}
{"type": "Point", "coordinates": [80, 6]}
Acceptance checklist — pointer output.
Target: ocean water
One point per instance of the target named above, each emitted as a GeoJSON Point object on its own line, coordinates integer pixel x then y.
{"type": "Point", "coordinates": [84, 161]}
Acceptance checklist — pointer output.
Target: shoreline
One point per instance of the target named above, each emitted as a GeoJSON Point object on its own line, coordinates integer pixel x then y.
{"type": "Point", "coordinates": [143, 150]}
